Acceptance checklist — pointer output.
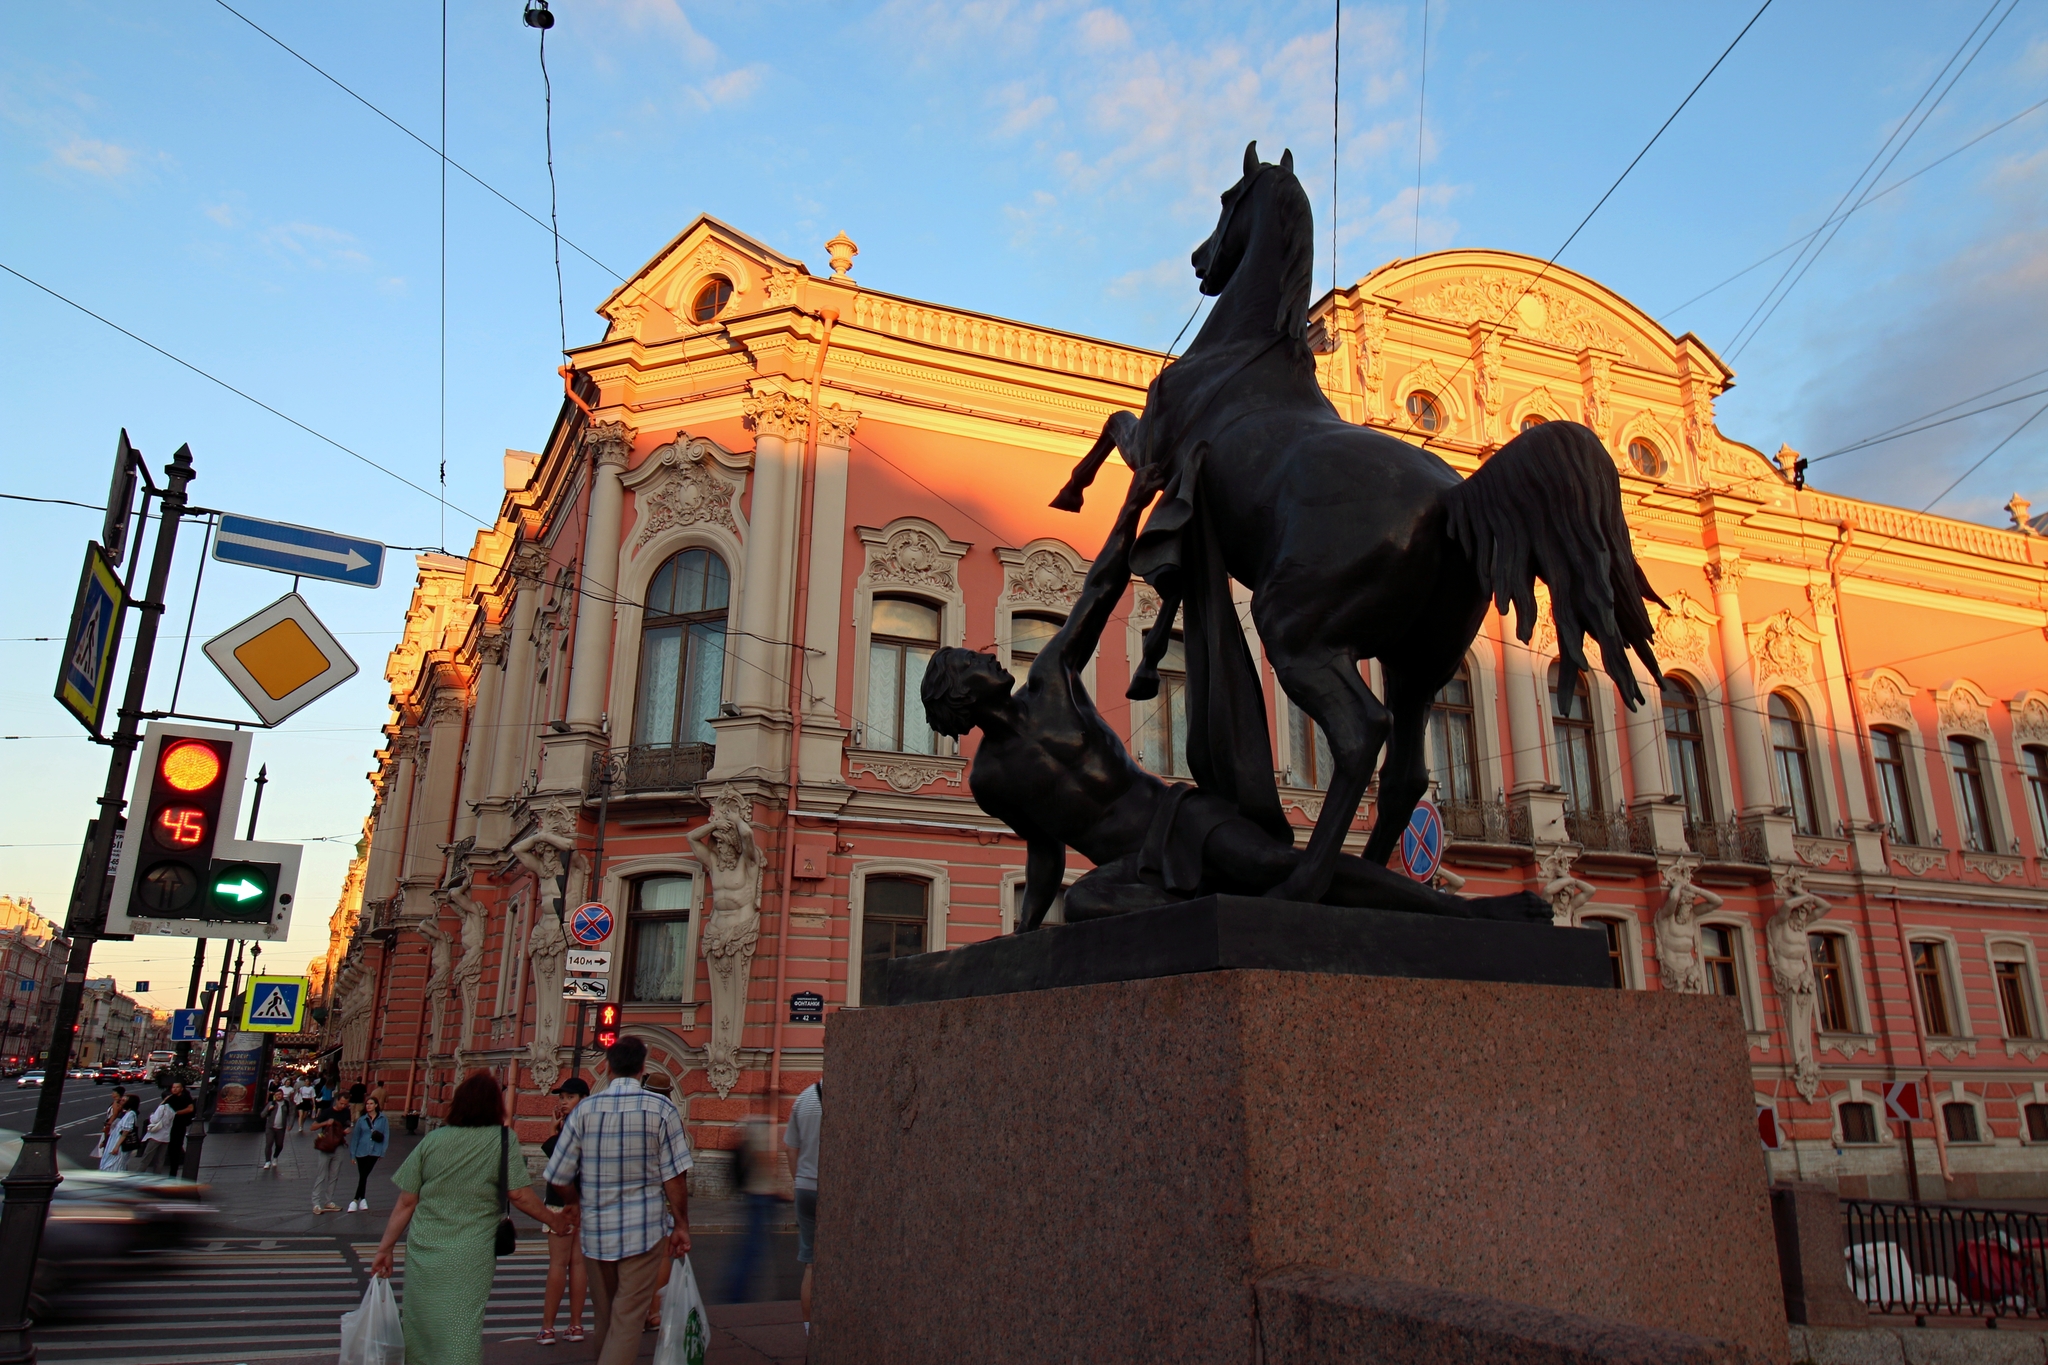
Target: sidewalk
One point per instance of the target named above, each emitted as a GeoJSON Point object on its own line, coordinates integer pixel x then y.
{"type": "Point", "coordinates": [741, 1334]}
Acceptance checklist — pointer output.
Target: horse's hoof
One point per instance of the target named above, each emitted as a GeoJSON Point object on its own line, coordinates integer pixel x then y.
{"type": "Point", "coordinates": [1144, 685]}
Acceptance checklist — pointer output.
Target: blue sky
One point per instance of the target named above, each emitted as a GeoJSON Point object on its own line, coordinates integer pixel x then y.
{"type": "Point", "coordinates": [172, 169]}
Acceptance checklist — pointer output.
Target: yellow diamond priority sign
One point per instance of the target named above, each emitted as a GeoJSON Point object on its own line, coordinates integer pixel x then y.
{"type": "Point", "coordinates": [281, 658]}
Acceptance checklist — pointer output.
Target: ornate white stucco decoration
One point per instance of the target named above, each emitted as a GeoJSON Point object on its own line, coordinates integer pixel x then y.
{"type": "Point", "coordinates": [1678, 928]}
{"type": "Point", "coordinates": [781, 287]}
{"type": "Point", "coordinates": [905, 773]}
{"type": "Point", "coordinates": [545, 851]}
{"type": "Point", "coordinates": [1919, 861]}
{"type": "Point", "coordinates": [732, 863]}
{"type": "Point", "coordinates": [1783, 648]}
{"type": "Point", "coordinates": [1792, 970]}
{"type": "Point", "coordinates": [439, 956]}
{"type": "Point", "coordinates": [912, 558]}
{"type": "Point", "coordinates": [1568, 896]}
{"type": "Point", "coordinates": [469, 969]}
{"type": "Point", "coordinates": [2029, 718]}
{"type": "Point", "coordinates": [1543, 640]}
{"type": "Point", "coordinates": [1540, 313]}
{"type": "Point", "coordinates": [1681, 630]}
{"type": "Point", "coordinates": [1961, 708]}
{"type": "Point", "coordinates": [1596, 384]}
{"type": "Point", "coordinates": [1372, 359]}
{"type": "Point", "coordinates": [685, 483]}
{"type": "Point", "coordinates": [1043, 578]}
{"type": "Point", "coordinates": [1887, 700]}
{"type": "Point", "coordinates": [1145, 605]}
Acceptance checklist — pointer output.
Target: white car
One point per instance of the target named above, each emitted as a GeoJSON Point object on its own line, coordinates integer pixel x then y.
{"type": "Point", "coordinates": [29, 1078]}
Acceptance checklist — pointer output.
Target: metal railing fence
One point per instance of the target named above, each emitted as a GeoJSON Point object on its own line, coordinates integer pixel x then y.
{"type": "Point", "coordinates": [1947, 1260]}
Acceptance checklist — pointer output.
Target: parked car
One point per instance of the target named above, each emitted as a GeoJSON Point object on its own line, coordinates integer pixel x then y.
{"type": "Point", "coordinates": [98, 1218]}
{"type": "Point", "coordinates": [30, 1080]}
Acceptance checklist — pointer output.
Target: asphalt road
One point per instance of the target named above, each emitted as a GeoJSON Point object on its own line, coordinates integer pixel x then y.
{"type": "Point", "coordinates": [78, 1120]}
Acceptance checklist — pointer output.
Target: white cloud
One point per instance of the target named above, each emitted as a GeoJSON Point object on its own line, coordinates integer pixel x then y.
{"type": "Point", "coordinates": [107, 159]}
{"type": "Point", "coordinates": [665, 17]}
{"type": "Point", "coordinates": [1022, 109]}
{"type": "Point", "coordinates": [729, 88]}
{"type": "Point", "coordinates": [314, 246]}
{"type": "Point", "coordinates": [1102, 30]}
{"type": "Point", "coordinates": [227, 215]}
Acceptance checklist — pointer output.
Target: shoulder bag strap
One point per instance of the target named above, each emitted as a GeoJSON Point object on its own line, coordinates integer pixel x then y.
{"type": "Point", "coordinates": [504, 1151]}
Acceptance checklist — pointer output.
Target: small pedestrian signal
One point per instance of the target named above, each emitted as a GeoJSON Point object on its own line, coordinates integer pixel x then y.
{"type": "Point", "coordinates": [273, 1008]}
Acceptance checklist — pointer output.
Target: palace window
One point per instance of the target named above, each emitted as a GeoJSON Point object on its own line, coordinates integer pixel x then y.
{"type": "Point", "coordinates": [1426, 413]}
{"type": "Point", "coordinates": [1685, 744]}
{"type": "Point", "coordinates": [1311, 761]}
{"type": "Point", "coordinates": [1859, 1123]}
{"type": "Point", "coordinates": [1717, 956]}
{"type": "Point", "coordinates": [1577, 760]}
{"type": "Point", "coordinates": [658, 966]}
{"type": "Point", "coordinates": [1831, 981]}
{"type": "Point", "coordinates": [1647, 459]}
{"type": "Point", "coordinates": [1960, 1120]}
{"type": "Point", "coordinates": [895, 916]}
{"type": "Point", "coordinates": [2034, 764]}
{"type": "Point", "coordinates": [1930, 980]}
{"type": "Point", "coordinates": [1617, 952]}
{"type": "Point", "coordinates": [1453, 747]}
{"type": "Point", "coordinates": [1888, 751]}
{"type": "Point", "coordinates": [1162, 723]}
{"type": "Point", "coordinates": [1792, 767]}
{"type": "Point", "coordinates": [2036, 1116]}
{"type": "Point", "coordinates": [1966, 761]}
{"type": "Point", "coordinates": [1029, 635]}
{"type": "Point", "coordinates": [682, 650]}
{"type": "Point", "coordinates": [712, 296]}
{"type": "Point", "coordinates": [903, 633]}
{"type": "Point", "coordinates": [1534, 419]}
{"type": "Point", "coordinates": [2015, 1000]}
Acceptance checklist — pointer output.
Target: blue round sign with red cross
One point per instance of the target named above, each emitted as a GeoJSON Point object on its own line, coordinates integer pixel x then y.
{"type": "Point", "coordinates": [1422, 842]}
{"type": "Point", "coordinates": [591, 924]}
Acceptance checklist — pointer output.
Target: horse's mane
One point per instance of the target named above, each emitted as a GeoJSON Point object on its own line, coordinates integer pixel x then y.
{"type": "Point", "coordinates": [1295, 220]}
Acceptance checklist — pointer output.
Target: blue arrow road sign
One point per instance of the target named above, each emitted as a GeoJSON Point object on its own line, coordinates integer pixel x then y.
{"type": "Point", "coordinates": [284, 548]}
{"type": "Point", "coordinates": [186, 1025]}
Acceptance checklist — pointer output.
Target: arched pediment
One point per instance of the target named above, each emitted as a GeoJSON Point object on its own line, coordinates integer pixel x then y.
{"type": "Point", "coordinates": [654, 304]}
{"type": "Point", "coordinates": [1887, 698]}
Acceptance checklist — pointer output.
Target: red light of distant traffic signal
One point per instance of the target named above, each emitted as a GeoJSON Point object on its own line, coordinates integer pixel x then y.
{"type": "Point", "coordinates": [607, 1025]}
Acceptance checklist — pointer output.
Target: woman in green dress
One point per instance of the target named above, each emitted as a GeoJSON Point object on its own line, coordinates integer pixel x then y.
{"type": "Point", "coordinates": [448, 1214]}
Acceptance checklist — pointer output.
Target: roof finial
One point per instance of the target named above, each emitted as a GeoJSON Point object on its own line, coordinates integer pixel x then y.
{"type": "Point", "coordinates": [842, 252]}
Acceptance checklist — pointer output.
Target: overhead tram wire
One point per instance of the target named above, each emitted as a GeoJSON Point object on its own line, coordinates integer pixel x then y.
{"type": "Point", "coordinates": [444, 276]}
{"type": "Point", "coordinates": [1895, 433]}
{"type": "Point", "coordinates": [1783, 290]}
{"type": "Point", "coordinates": [1421, 107]}
{"type": "Point", "coordinates": [1861, 205]}
{"type": "Point", "coordinates": [1654, 137]}
{"type": "Point", "coordinates": [1336, 107]}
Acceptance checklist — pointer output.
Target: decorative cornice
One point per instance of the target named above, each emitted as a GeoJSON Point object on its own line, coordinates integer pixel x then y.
{"type": "Point", "coordinates": [1919, 861]}
{"type": "Point", "coordinates": [1995, 866]}
{"type": "Point", "coordinates": [836, 424]}
{"type": "Point", "coordinates": [905, 773]}
{"type": "Point", "coordinates": [611, 442]}
{"type": "Point", "coordinates": [1726, 573]}
{"type": "Point", "coordinates": [529, 563]}
{"type": "Point", "coordinates": [490, 647]}
{"type": "Point", "coordinates": [771, 412]}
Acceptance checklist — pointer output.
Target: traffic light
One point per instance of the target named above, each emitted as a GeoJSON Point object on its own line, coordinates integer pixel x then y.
{"type": "Point", "coordinates": [180, 820]}
{"type": "Point", "coordinates": [607, 1025]}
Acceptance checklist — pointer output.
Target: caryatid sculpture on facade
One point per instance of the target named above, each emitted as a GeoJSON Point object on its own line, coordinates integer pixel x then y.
{"type": "Point", "coordinates": [546, 852]}
{"type": "Point", "coordinates": [469, 969]}
{"type": "Point", "coordinates": [1791, 954]}
{"type": "Point", "coordinates": [1567, 894]}
{"type": "Point", "coordinates": [1678, 928]}
{"type": "Point", "coordinates": [732, 864]}
{"type": "Point", "coordinates": [439, 959]}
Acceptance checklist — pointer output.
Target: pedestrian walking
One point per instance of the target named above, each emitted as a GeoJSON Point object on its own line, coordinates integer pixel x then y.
{"type": "Point", "coordinates": [801, 1137]}
{"type": "Point", "coordinates": [156, 1139]}
{"type": "Point", "coordinates": [277, 1121]}
{"type": "Point", "coordinates": [183, 1107]}
{"type": "Point", "coordinates": [302, 1097]}
{"type": "Point", "coordinates": [448, 1212]}
{"type": "Point", "coordinates": [330, 1148]}
{"type": "Point", "coordinates": [625, 1152]}
{"type": "Point", "coordinates": [367, 1141]}
{"type": "Point", "coordinates": [115, 1146]}
{"type": "Point", "coordinates": [120, 1099]}
{"type": "Point", "coordinates": [755, 1176]}
{"type": "Point", "coordinates": [565, 1262]}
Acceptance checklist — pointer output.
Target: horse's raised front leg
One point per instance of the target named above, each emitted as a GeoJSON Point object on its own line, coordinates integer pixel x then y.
{"type": "Point", "coordinates": [1144, 685]}
{"type": "Point", "coordinates": [1119, 433]}
{"type": "Point", "coordinates": [1405, 776]}
{"type": "Point", "coordinates": [1330, 689]}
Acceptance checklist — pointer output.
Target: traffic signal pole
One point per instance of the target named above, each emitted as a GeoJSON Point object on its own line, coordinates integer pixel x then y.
{"type": "Point", "coordinates": [34, 1177]}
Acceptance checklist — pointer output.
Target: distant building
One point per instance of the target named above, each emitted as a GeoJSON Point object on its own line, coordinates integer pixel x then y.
{"type": "Point", "coordinates": [33, 952]}
{"type": "Point", "coordinates": [768, 487]}
{"type": "Point", "coordinates": [111, 1026]}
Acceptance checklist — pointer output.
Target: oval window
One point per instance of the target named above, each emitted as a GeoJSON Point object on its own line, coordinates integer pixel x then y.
{"type": "Point", "coordinates": [711, 299]}
{"type": "Point", "coordinates": [1648, 460]}
{"type": "Point", "coordinates": [1424, 408]}
{"type": "Point", "coordinates": [1534, 419]}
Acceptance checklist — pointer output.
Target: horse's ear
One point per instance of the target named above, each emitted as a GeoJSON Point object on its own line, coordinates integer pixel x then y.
{"type": "Point", "coordinates": [1287, 161]}
{"type": "Point", "coordinates": [1251, 156]}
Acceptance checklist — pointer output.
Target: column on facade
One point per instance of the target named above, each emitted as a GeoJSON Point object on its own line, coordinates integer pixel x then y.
{"type": "Point", "coordinates": [514, 715]}
{"type": "Point", "coordinates": [828, 565]}
{"type": "Point", "coordinates": [394, 816]}
{"type": "Point", "coordinates": [1527, 741]}
{"type": "Point", "coordinates": [1745, 708]}
{"type": "Point", "coordinates": [590, 672]}
{"type": "Point", "coordinates": [478, 749]}
{"type": "Point", "coordinates": [761, 681]}
{"type": "Point", "coordinates": [434, 815]}
{"type": "Point", "coordinates": [1657, 815]}
{"type": "Point", "coordinates": [1847, 745]}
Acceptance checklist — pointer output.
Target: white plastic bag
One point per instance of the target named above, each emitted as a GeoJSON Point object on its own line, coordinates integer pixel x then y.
{"type": "Point", "coordinates": [685, 1330]}
{"type": "Point", "coordinates": [371, 1335]}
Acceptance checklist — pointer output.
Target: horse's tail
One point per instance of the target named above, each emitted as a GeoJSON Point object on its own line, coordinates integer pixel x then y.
{"type": "Point", "coordinates": [1548, 505]}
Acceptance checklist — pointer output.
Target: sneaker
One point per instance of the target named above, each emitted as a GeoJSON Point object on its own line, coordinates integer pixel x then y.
{"type": "Point", "coordinates": [351, 1206]}
{"type": "Point", "coordinates": [362, 1206]}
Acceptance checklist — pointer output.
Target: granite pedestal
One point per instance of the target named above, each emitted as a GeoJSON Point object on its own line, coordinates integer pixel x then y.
{"type": "Point", "coordinates": [1105, 1172]}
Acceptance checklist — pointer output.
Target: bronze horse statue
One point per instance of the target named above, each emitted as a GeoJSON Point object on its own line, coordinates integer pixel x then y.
{"type": "Point", "coordinates": [1356, 544]}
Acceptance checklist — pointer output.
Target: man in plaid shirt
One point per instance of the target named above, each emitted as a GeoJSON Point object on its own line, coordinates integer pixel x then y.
{"type": "Point", "coordinates": [622, 1157]}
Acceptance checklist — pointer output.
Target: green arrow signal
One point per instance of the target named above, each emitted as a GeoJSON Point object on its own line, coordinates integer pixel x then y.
{"type": "Point", "coordinates": [242, 890]}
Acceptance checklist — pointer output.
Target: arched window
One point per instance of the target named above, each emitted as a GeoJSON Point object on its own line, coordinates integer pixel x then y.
{"type": "Point", "coordinates": [1453, 746]}
{"type": "Point", "coordinates": [1793, 768]}
{"type": "Point", "coordinates": [1888, 753]}
{"type": "Point", "coordinates": [1578, 768]}
{"type": "Point", "coordinates": [1930, 979]}
{"type": "Point", "coordinates": [1029, 635]}
{"type": "Point", "coordinates": [711, 298]}
{"type": "Point", "coordinates": [1424, 411]}
{"type": "Point", "coordinates": [1831, 981]}
{"type": "Point", "coordinates": [682, 651]}
{"type": "Point", "coordinates": [2034, 763]}
{"type": "Point", "coordinates": [658, 966]}
{"type": "Point", "coordinates": [903, 633]}
{"type": "Point", "coordinates": [895, 914]}
{"type": "Point", "coordinates": [1647, 459]}
{"type": "Point", "coordinates": [1162, 723]}
{"type": "Point", "coordinates": [1966, 760]}
{"type": "Point", "coordinates": [1310, 763]}
{"type": "Point", "coordinates": [1534, 419]}
{"type": "Point", "coordinates": [1685, 744]}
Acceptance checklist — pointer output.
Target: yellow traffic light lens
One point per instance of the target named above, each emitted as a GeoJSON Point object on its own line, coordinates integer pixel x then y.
{"type": "Point", "coordinates": [190, 766]}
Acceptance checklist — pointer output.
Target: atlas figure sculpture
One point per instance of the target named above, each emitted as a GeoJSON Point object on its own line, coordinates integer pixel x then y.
{"type": "Point", "coordinates": [1356, 544]}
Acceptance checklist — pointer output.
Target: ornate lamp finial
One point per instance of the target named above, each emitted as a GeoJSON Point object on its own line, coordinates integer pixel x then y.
{"type": "Point", "coordinates": [842, 251]}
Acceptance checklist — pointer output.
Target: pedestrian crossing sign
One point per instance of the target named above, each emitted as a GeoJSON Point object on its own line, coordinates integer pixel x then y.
{"type": "Point", "coordinates": [275, 1004]}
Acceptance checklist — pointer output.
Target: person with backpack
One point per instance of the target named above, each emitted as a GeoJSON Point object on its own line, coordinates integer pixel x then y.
{"type": "Point", "coordinates": [330, 1149]}
{"type": "Point", "coordinates": [277, 1121]}
{"type": "Point", "coordinates": [367, 1141]}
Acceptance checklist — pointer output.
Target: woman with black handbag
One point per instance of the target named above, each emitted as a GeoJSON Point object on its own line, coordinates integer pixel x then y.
{"type": "Point", "coordinates": [458, 1189]}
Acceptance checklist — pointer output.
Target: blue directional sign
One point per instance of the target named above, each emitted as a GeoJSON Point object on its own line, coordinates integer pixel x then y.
{"type": "Point", "coordinates": [186, 1025]}
{"type": "Point", "coordinates": [1422, 842]}
{"type": "Point", "coordinates": [25, 984]}
{"type": "Point", "coordinates": [283, 548]}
